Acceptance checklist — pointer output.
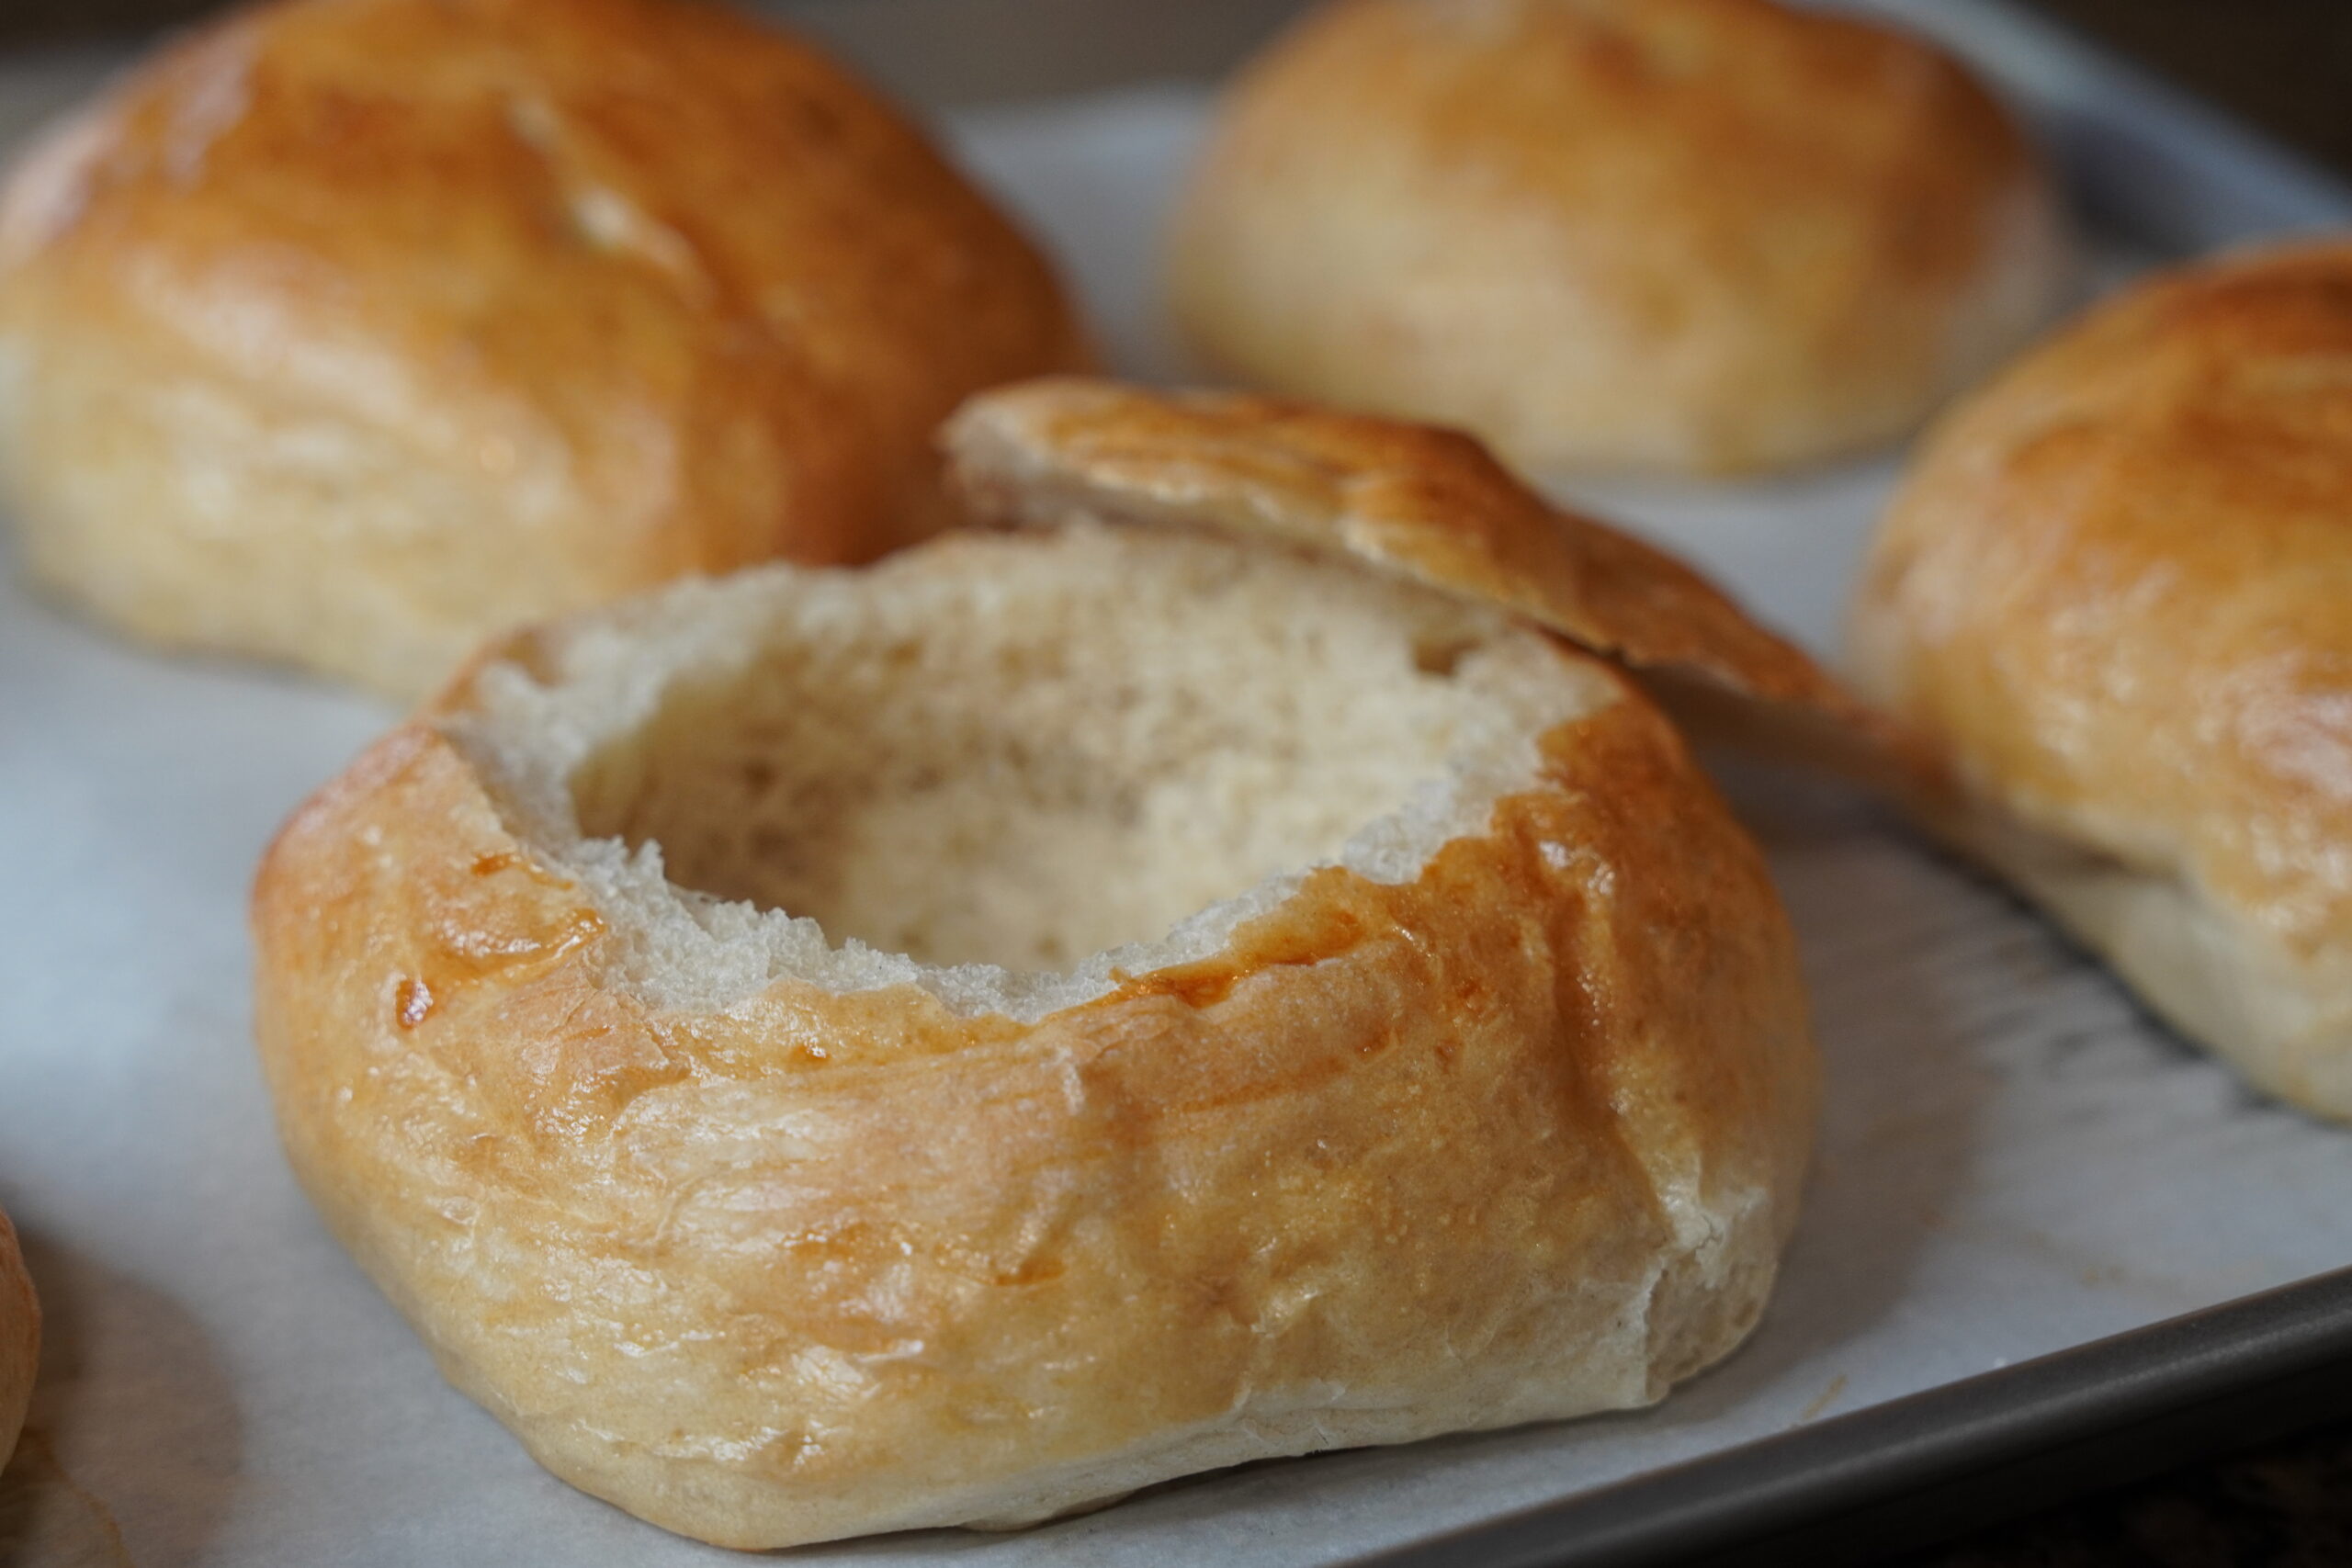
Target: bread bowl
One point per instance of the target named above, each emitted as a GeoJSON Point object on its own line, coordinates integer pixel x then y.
{"type": "Point", "coordinates": [1705, 236]}
{"type": "Point", "coordinates": [19, 1338]}
{"type": "Point", "coordinates": [2113, 586]}
{"type": "Point", "coordinates": [1241, 1002]}
{"type": "Point", "coordinates": [348, 331]}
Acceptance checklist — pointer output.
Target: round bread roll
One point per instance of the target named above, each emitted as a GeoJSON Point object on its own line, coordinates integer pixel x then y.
{"type": "Point", "coordinates": [348, 331]}
{"type": "Point", "coordinates": [953, 1042]}
{"type": "Point", "coordinates": [2116, 585]}
{"type": "Point", "coordinates": [1711, 235]}
{"type": "Point", "coordinates": [19, 1339]}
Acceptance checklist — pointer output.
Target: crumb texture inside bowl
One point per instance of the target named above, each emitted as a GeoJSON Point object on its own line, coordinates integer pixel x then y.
{"type": "Point", "coordinates": [1005, 765]}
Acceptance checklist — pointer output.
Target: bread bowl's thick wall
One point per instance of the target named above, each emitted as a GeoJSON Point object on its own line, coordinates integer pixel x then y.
{"type": "Point", "coordinates": [1517, 1137]}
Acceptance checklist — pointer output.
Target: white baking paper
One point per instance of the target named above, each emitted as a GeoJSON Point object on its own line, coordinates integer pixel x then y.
{"type": "Point", "coordinates": [2013, 1160]}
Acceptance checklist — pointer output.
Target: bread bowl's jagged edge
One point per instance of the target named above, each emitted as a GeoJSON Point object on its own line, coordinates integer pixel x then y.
{"type": "Point", "coordinates": [551, 680]}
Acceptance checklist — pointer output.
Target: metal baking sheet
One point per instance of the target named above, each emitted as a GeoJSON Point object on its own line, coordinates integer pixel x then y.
{"type": "Point", "coordinates": [2015, 1163]}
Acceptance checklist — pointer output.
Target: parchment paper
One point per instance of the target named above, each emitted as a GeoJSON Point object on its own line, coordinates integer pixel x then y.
{"type": "Point", "coordinates": [2013, 1160]}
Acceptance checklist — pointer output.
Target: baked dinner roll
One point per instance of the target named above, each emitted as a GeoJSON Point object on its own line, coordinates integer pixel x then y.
{"type": "Point", "coordinates": [350, 330]}
{"type": "Point", "coordinates": [1708, 235]}
{"type": "Point", "coordinates": [2116, 585]}
{"type": "Point", "coordinates": [955, 1041]}
{"type": "Point", "coordinates": [19, 1338]}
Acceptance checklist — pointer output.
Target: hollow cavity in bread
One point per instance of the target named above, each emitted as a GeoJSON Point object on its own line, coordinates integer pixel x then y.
{"type": "Point", "coordinates": [1006, 786]}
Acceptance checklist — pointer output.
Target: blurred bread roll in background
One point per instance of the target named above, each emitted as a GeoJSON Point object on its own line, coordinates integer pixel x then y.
{"type": "Point", "coordinates": [347, 332]}
{"type": "Point", "coordinates": [1711, 235]}
{"type": "Point", "coordinates": [2118, 586]}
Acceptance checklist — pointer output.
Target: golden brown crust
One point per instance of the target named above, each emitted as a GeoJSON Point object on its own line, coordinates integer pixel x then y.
{"type": "Point", "coordinates": [1711, 235]}
{"type": "Point", "coordinates": [19, 1338]}
{"type": "Point", "coordinates": [350, 331]}
{"type": "Point", "coordinates": [1432, 506]}
{"type": "Point", "coordinates": [2116, 582]}
{"type": "Point", "coordinates": [1518, 1138]}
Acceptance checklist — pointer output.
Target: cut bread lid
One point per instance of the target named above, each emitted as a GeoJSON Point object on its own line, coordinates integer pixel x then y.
{"type": "Point", "coordinates": [1431, 506]}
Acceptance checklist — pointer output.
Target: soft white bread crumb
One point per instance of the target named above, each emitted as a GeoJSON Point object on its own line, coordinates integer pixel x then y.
{"type": "Point", "coordinates": [1005, 784]}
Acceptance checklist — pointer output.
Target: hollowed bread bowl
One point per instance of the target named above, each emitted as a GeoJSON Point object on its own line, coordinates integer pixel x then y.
{"type": "Point", "coordinates": [955, 1040]}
